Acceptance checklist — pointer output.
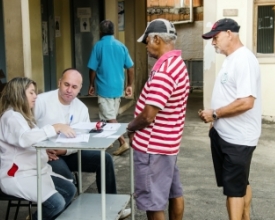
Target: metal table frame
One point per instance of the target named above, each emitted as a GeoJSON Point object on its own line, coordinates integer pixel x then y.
{"type": "Point", "coordinates": [94, 144]}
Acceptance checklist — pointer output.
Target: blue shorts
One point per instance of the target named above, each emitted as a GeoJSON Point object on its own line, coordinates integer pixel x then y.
{"type": "Point", "coordinates": [156, 180]}
{"type": "Point", "coordinates": [231, 164]}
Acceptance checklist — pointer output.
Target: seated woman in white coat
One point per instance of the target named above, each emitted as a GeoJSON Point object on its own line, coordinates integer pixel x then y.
{"type": "Point", "coordinates": [18, 133]}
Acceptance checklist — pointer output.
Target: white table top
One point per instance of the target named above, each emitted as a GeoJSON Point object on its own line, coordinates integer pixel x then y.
{"type": "Point", "coordinates": [97, 143]}
{"type": "Point", "coordinates": [94, 143]}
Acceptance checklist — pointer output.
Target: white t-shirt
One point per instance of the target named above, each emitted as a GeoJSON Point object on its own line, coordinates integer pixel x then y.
{"type": "Point", "coordinates": [239, 77]}
{"type": "Point", "coordinates": [49, 110]}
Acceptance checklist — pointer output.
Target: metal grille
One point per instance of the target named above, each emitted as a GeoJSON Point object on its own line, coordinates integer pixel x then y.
{"type": "Point", "coordinates": [265, 33]}
{"type": "Point", "coordinates": [195, 71]}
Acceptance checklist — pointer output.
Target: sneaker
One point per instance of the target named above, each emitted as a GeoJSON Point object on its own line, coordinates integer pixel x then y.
{"type": "Point", "coordinates": [125, 213]}
{"type": "Point", "coordinates": [124, 147]}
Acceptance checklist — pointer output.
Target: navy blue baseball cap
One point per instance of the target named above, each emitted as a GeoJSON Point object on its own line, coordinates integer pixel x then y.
{"type": "Point", "coordinates": [224, 24]}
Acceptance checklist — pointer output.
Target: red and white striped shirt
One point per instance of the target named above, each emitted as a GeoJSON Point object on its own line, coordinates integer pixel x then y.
{"type": "Point", "coordinates": [167, 88]}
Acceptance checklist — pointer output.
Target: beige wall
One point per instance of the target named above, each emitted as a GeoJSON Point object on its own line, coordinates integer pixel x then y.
{"type": "Point", "coordinates": [135, 24]}
{"type": "Point", "coordinates": [189, 40]}
{"type": "Point", "coordinates": [13, 39]}
{"type": "Point", "coordinates": [37, 73]}
{"type": "Point", "coordinates": [111, 10]}
{"type": "Point", "coordinates": [121, 34]}
{"type": "Point", "coordinates": [268, 90]}
{"type": "Point", "coordinates": [23, 40]}
{"type": "Point", "coordinates": [64, 42]}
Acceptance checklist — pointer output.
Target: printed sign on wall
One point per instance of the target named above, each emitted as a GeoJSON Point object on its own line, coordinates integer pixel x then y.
{"type": "Point", "coordinates": [84, 15]}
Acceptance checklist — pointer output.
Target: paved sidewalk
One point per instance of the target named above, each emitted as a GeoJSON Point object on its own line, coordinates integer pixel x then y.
{"type": "Point", "coordinates": [203, 200]}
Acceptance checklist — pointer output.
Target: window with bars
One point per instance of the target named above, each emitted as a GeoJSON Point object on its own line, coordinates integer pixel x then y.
{"type": "Point", "coordinates": [265, 29]}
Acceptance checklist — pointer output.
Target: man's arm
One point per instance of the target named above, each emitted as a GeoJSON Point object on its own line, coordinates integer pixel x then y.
{"type": "Point", "coordinates": [145, 118]}
{"type": "Point", "coordinates": [237, 107]}
{"type": "Point", "coordinates": [92, 75]}
{"type": "Point", "coordinates": [130, 79]}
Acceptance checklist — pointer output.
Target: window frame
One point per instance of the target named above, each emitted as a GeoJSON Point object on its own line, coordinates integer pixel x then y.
{"type": "Point", "coordinates": [258, 3]}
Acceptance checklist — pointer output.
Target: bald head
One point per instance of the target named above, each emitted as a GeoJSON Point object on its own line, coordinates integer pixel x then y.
{"type": "Point", "coordinates": [69, 85]}
{"type": "Point", "coordinates": [71, 72]}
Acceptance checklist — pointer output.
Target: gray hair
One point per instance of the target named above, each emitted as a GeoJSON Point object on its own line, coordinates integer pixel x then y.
{"type": "Point", "coordinates": [167, 38]}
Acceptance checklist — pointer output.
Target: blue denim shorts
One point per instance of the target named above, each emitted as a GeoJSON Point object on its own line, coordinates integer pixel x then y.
{"type": "Point", "coordinates": [156, 180]}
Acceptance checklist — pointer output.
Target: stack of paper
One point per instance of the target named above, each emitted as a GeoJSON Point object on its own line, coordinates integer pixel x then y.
{"type": "Point", "coordinates": [79, 138]}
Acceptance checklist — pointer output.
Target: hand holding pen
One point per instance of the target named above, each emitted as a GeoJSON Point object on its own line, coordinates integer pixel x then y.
{"type": "Point", "coordinates": [71, 119]}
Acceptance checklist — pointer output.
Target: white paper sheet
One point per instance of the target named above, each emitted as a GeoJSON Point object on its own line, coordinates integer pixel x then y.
{"type": "Point", "coordinates": [79, 138]}
{"type": "Point", "coordinates": [105, 134]}
{"type": "Point", "coordinates": [111, 127]}
{"type": "Point", "coordinates": [84, 125]}
{"type": "Point", "coordinates": [91, 125]}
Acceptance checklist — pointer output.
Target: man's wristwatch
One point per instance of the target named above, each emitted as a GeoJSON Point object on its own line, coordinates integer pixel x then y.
{"type": "Point", "coordinates": [215, 116]}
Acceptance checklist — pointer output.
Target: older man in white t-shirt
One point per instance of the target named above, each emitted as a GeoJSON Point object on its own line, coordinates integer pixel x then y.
{"type": "Point", "coordinates": [236, 116]}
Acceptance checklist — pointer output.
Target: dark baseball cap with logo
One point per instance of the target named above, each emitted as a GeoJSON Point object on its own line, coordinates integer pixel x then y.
{"type": "Point", "coordinates": [158, 26]}
{"type": "Point", "coordinates": [224, 24]}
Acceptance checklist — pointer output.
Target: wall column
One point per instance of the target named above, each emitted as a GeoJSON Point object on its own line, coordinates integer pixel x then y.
{"type": "Point", "coordinates": [135, 22]}
{"type": "Point", "coordinates": [26, 37]}
{"type": "Point", "coordinates": [23, 40]}
{"type": "Point", "coordinates": [138, 19]}
{"type": "Point", "coordinates": [13, 38]}
{"type": "Point", "coordinates": [111, 13]}
{"type": "Point", "coordinates": [209, 54]}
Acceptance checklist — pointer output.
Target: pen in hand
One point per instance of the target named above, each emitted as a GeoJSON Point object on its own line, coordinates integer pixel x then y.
{"type": "Point", "coordinates": [71, 119]}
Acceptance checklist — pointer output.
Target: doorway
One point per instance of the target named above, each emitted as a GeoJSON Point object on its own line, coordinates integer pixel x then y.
{"type": "Point", "coordinates": [48, 44]}
{"type": "Point", "coordinates": [86, 16]}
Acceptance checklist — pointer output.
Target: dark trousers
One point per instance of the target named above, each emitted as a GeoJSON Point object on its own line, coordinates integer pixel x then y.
{"type": "Point", "coordinates": [65, 165]}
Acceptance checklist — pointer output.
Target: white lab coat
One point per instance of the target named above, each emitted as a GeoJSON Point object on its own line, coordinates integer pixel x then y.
{"type": "Point", "coordinates": [16, 140]}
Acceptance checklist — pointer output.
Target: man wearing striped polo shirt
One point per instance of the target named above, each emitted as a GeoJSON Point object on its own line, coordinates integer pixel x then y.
{"type": "Point", "coordinates": [155, 133]}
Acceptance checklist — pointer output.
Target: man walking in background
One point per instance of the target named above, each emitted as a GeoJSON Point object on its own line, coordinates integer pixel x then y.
{"type": "Point", "coordinates": [108, 59]}
{"type": "Point", "coordinates": [236, 117]}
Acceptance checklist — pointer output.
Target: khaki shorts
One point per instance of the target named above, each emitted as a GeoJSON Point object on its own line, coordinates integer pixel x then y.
{"type": "Point", "coordinates": [108, 108]}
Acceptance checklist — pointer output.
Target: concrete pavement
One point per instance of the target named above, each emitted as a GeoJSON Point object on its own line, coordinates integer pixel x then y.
{"type": "Point", "coordinates": [203, 200]}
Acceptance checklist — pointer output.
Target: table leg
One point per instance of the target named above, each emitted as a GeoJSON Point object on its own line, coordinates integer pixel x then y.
{"type": "Point", "coordinates": [79, 172]}
{"type": "Point", "coordinates": [132, 182]}
{"type": "Point", "coordinates": [39, 184]}
{"type": "Point", "coordinates": [103, 185]}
